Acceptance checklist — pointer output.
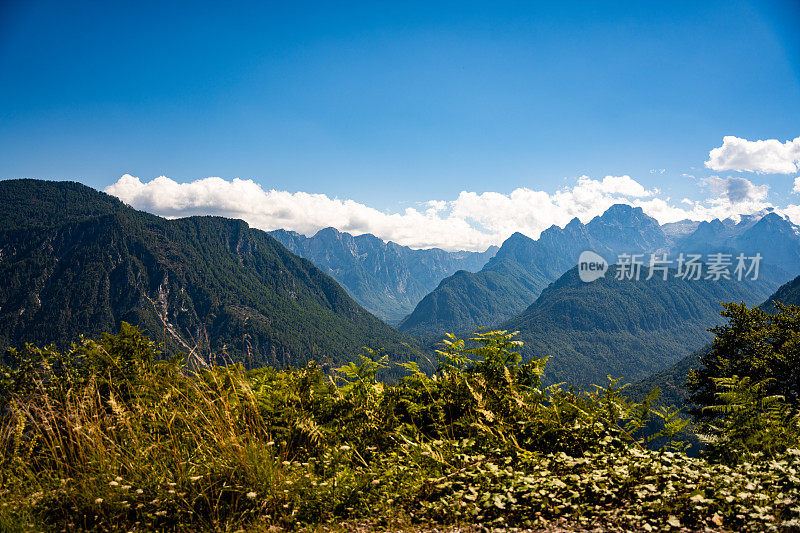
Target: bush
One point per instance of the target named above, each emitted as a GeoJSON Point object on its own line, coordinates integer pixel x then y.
{"type": "Point", "coordinates": [110, 435]}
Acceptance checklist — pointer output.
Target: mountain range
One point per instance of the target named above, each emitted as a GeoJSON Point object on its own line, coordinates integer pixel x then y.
{"type": "Point", "coordinates": [76, 261]}
{"type": "Point", "coordinates": [386, 278]}
{"type": "Point", "coordinates": [523, 267]}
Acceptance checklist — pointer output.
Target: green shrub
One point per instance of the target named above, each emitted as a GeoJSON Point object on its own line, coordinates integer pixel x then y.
{"type": "Point", "coordinates": [111, 435]}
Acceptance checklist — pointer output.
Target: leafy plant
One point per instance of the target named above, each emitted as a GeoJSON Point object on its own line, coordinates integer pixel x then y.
{"type": "Point", "coordinates": [110, 435]}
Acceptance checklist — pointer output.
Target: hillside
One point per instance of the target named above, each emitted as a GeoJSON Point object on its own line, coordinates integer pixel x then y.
{"type": "Point", "coordinates": [76, 261]}
{"type": "Point", "coordinates": [386, 278]}
{"type": "Point", "coordinates": [624, 328]}
{"type": "Point", "coordinates": [788, 294]}
{"type": "Point", "coordinates": [672, 380]}
{"type": "Point", "coordinates": [468, 300]}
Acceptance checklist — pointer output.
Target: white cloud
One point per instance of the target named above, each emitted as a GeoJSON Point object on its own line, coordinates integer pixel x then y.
{"type": "Point", "coordinates": [764, 157]}
{"type": "Point", "coordinates": [796, 188]}
{"type": "Point", "coordinates": [471, 221]}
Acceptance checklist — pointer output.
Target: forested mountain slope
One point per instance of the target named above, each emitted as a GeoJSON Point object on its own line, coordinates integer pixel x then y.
{"type": "Point", "coordinates": [625, 328]}
{"type": "Point", "coordinates": [76, 261]}
{"type": "Point", "coordinates": [672, 380]}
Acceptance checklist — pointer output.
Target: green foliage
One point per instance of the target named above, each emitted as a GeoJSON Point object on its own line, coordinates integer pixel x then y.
{"type": "Point", "coordinates": [748, 421]}
{"type": "Point", "coordinates": [746, 390]}
{"type": "Point", "coordinates": [110, 435]}
{"type": "Point", "coordinates": [753, 343]}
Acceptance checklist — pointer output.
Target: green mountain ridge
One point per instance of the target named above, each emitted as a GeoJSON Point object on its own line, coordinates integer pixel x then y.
{"type": "Point", "coordinates": [625, 328]}
{"type": "Point", "coordinates": [76, 261]}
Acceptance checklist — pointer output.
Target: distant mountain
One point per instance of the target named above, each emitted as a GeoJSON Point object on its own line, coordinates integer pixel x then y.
{"type": "Point", "coordinates": [676, 230]}
{"type": "Point", "coordinates": [386, 278]}
{"type": "Point", "coordinates": [76, 261]}
{"type": "Point", "coordinates": [625, 328]}
{"type": "Point", "coordinates": [467, 300]}
{"type": "Point", "coordinates": [774, 237]}
{"type": "Point", "coordinates": [516, 275]}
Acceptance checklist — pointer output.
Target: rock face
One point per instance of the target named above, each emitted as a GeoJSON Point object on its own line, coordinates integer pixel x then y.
{"type": "Point", "coordinates": [75, 261]}
{"type": "Point", "coordinates": [386, 278]}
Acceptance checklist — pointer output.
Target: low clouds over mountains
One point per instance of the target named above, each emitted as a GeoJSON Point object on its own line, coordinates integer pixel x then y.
{"type": "Point", "coordinates": [476, 220]}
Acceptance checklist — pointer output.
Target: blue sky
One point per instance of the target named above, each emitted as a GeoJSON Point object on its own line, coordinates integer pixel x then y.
{"type": "Point", "coordinates": [391, 104]}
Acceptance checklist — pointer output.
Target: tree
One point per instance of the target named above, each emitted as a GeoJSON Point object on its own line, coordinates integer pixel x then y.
{"type": "Point", "coordinates": [746, 393]}
{"type": "Point", "coordinates": [755, 344]}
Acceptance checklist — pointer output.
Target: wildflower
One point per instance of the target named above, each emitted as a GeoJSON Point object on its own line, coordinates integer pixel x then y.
{"type": "Point", "coordinates": [113, 483]}
{"type": "Point", "coordinates": [125, 487]}
{"type": "Point", "coordinates": [118, 478]}
{"type": "Point", "coordinates": [99, 500]}
{"type": "Point", "coordinates": [344, 447]}
{"type": "Point", "coordinates": [271, 443]}
{"type": "Point", "coordinates": [195, 478]}
{"type": "Point", "coordinates": [139, 491]}
{"type": "Point", "coordinates": [251, 495]}
{"type": "Point", "coordinates": [376, 482]}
